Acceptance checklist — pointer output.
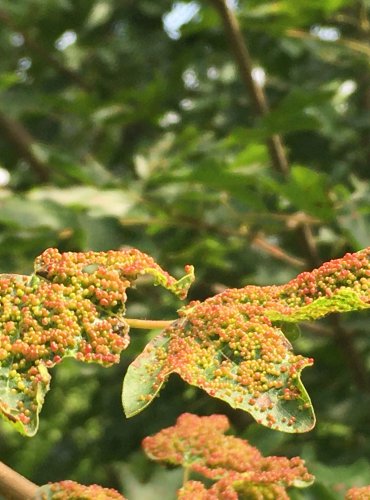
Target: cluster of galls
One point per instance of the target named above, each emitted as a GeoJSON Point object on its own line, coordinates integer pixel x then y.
{"type": "Point", "coordinates": [230, 346]}
{"type": "Point", "coordinates": [72, 306]}
{"type": "Point", "coordinates": [352, 272]}
{"type": "Point", "coordinates": [200, 445]}
{"type": "Point", "coordinates": [358, 493]}
{"type": "Point", "coordinates": [241, 358]}
{"type": "Point", "coordinates": [69, 490]}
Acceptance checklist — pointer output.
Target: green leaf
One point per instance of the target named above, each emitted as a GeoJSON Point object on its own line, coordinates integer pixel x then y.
{"type": "Point", "coordinates": [142, 381]}
{"type": "Point", "coordinates": [251, 368]}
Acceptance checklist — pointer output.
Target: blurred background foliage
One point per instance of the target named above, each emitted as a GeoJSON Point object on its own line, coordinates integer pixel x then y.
{"type": "Point", "coordinates": [126, 123]}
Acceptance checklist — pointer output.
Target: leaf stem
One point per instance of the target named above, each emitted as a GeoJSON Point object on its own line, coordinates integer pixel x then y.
{"type": "Point", "coordinates": [148, 324]}
{"type": "Point", "coordinates": [186, 475]}
{"type": "Point", "coordinates": [14, 486]}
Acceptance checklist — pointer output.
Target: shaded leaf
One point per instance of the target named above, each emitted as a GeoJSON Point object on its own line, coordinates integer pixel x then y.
{"type": "Point", "coordinates": [140, 380]}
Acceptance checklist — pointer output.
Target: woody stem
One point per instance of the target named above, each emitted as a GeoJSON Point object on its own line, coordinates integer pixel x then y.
{"type": "Point", "coordinates": [14, 486]}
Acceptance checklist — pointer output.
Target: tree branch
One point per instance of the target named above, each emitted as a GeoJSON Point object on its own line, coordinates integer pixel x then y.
{"type": "Point", "coordinates": [14, 486]}
{"type": "Point", "coordinates": [256, 240]}
{"type": "Point", "coordinates": [350, 44]}
{"type": "Point", "coordinates": [244, 61]}
{"type": "Point", "coordinates": [23, 141]}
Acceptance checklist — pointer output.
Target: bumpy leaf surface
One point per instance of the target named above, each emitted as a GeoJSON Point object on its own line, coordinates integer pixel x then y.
{"type": "Point", "coordinates": [231, 490]}
{"type": "Point", "coordinates": [70, 490]}
{"type": "Point", "coordinates": [74, 306]}
{"type": "Point", "coordinates": [200, 445]}
{"type": "Point", "coordinates": [232, 345]}
{"type": "Point", "coordinates": [359, 493]}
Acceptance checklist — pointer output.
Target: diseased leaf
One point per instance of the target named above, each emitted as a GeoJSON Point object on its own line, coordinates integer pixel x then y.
{"type": "Point", "coordinates": [359, 493]}
{"type": "Point", "coordinates": [199, 444]}
{"type": "Point", "coordinates": [70, 490]}
{"type": "Point", "coordinates": [73, 306]}
{"type": "Point", "coordinates": [230, 344]}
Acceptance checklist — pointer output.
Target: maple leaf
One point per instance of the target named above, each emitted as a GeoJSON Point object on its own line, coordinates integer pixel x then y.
{"type": "Point", "coordinates": [72, 306]}
{"type": "Point", "coordinates": [232, 345]}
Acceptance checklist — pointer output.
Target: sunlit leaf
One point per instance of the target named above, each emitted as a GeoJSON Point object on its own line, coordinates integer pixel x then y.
{"type": "Point", "coordinates": [230, 344]}
{"type": "Point", "coordinates": [73, 306]}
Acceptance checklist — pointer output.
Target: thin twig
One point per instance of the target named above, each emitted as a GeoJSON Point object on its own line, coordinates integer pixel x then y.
{"type": "Point", "coordinates": [277, 252]}
{"type": "Point", "coordinates": [244, 61]}
{"type": "Point", "coordinates": [14, 486]}
{"type": "Point", "coordinates": [317, 328]}
{"type": "Point", "coordinates": [185, 475]}
{"type": "Point", "coordinates": [257, 94]}
{"type": "Point", "coordinates": [350, 44]}
{"type": "Point", "coordinates": [256, 240]}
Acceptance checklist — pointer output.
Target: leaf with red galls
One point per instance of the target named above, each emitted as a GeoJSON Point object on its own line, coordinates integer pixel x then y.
{"type": "Point", "coordinates": [232, 345]}
{"type": "Point", "coordinates": [70, 490]}
{"type": "Point", "coordinates": [358, 493]}
{"type": "Point", "coordinates": [200, 445]}
{"type": "Point", "coordinates": [73, 306]}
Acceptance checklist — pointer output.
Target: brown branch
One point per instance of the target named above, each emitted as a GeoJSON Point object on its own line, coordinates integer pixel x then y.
{"type": "Point", "coordinates": [350, 44]}
{"type": "Point", "coordinates": [317, 328]}
{"type": "Point", "coordinates": [23, 141]}
{"type": "Point", "coordinates": [276, 252]}
{"type": "Point", "coordinates": [14, 486]}
{"type": "Point", "coordinates": [38, 49]}
{"type": "Point", "coordinates": [275, 143]}
{"type": "Point", "coordinates": [244, 61]}
{"type": "Point", "coordinates": [256, 240]}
